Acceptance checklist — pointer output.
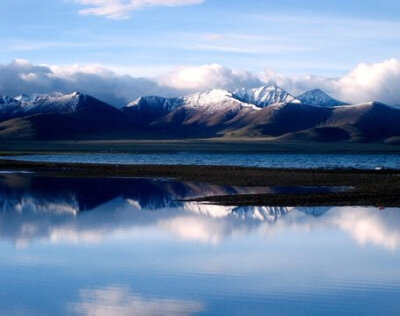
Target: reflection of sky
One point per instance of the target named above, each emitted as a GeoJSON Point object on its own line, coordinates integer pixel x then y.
{"type": "Point", "coordinates": [189, 258]}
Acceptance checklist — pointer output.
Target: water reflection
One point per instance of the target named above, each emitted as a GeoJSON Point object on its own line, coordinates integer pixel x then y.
{"type": "Point", "coordinates": [120, 301]}
{"type": "Point", "coordinates": [89, 210]}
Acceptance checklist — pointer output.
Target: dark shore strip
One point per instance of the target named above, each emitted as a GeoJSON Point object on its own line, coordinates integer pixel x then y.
{"type": "Point", "coordinates": [370, 187]}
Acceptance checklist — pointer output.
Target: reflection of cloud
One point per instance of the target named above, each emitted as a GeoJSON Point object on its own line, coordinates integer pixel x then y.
{"type": "Point", "coordinates": [197, 223]}
{"type": "Point", "coordinates": [118, 301]}
{"type": "Point", "coordinates": [368, 226]}
{"type": "Point", "coordinates": [213, 223]}
{"type": "Point", "coordinates": [216, 211]}
{"type": "Point", "coordinates": [197, 228]}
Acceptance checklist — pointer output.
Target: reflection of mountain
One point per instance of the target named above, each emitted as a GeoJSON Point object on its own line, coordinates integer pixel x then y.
{"type": "Point", "coordinates": [76, 195]}
{"type": "Point", "coordinates": [34, 207]}
{"type": "Point", "coordinates": [83, 194]}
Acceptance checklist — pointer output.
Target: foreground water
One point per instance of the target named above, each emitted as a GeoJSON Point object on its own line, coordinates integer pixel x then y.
{"type": "Point", "coordinates": [286, 160]}
{"type": "Point", "coordinates": [133, 247]}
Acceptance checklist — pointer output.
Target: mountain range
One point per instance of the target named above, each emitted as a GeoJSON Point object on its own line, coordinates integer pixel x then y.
{"type": "Point", "coordinates": [266, 112]}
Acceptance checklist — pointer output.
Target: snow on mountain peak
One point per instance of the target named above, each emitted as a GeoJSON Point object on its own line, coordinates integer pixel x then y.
{"type": "Point", "coordinates": [317, 97]}
{"type": "Point", "coordinates": [265, 95]}
{"type": "Point", "coordinates": [41, 103]}
{"type": "Point", "coordinates": [154, 104]}
{"type": "Point", "coordinates": [57, 102]}
{"type": "Point", "coordinates": [210, 96]}
{"type": "Point", "coordinates": [215, 100]}
{"type": "Point", "coordinates": [148, 99]}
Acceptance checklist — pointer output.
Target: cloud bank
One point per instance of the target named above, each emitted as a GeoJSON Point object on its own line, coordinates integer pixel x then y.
{"type": "Point", "coordinates": [122, 9]}
{"type": "Point", "coordinates": [366, 82]}
{"type": "Point", "coordinates": [22, 77]}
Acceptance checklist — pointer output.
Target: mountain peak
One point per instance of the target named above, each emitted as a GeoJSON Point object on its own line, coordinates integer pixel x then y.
{"type": "Point", "coordinates": [45, 103]}
{"type": "Point", "coordinates": [265, 95]}
{"type": "Point", "coordinates": [151, 99]}
{"type": "Point", "coordinates": [317, 97]}
{"type": "Point", "coordinates": [212, 95]}
{"type": "Point", "coordinates": [317, 91]}
{"type": "Point", "coordinates": [211, 99]}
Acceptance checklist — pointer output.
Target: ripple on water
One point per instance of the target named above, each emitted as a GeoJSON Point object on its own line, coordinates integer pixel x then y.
{"type": "Point", "coordinates": [361, 161]}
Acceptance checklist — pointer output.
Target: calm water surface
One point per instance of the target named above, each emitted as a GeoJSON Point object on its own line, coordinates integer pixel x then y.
{"type": "Point", "coordinates": [131, 246]}
{"type": "Point", "coordinates": [362, 161]}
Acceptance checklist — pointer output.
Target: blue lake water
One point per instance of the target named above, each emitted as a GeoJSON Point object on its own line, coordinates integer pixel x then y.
{"type": "Point", "coordinates": [361, 161]}
{"type": "Point", "coordinates": [133, 247]}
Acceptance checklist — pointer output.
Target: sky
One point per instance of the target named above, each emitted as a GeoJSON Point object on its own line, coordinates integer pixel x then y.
{"type": "Point", "coordinates": [175, 47]}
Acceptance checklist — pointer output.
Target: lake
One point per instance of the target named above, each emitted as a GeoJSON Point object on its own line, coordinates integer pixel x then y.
{"type": "Point", "coordinates": [272, 160]}
{"type": "Point", "coordinates": [120, 246]}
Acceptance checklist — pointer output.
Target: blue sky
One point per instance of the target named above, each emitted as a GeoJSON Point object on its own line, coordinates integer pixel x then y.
{"type": "Point", "coordinates": [351, 49]}
{"type": "Point", "coordinates": [320, 37]}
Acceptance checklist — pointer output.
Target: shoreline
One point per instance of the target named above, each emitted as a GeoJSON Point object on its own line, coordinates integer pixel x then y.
{"type": "Point", "coordinates": [217, 145]}
{"type": "Point", "coordinates": [379, 188]}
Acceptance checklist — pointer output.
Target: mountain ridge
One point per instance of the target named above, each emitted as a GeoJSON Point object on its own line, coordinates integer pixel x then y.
{"type": "Point", "coordinates": [267, 111]}
{"type": "Point", "coordinates": [265, 96]}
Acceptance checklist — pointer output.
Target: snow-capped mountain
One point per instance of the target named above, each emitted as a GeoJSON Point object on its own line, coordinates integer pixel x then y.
{"type": "Point", "coordinates": [155, 103]}
{"type": "Point", "coordinates": [144, 110]}
{"type": "Point", "coordinates": [53, 102]}
{"type": "Point", "coordinates": [24, 105]}
{"type": "Point", "coordinates": [317, 97]}
{"type": "Point", "coordinates": [60, 116]}
{"type": "Point", "coordinates": [265, 96]}
{"type": "Point", "coordinates": [57, 103]}
{"type": "Point", "coordinates": [203, 114]}
{"type": "Point", "coordinates": [201, 111]}
{"type": "Point", "coordinates": [215, 100]}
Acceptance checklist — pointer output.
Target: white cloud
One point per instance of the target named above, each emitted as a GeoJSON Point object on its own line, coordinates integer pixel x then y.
{"type": "Point", "coordinates": [122, 9]}
{"type": "Point", "coordinates": [366, 82]}
{"type": "Point", "coordinates": [379, 81]}
{"type": "Point", "coordinates": [208, 77]}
